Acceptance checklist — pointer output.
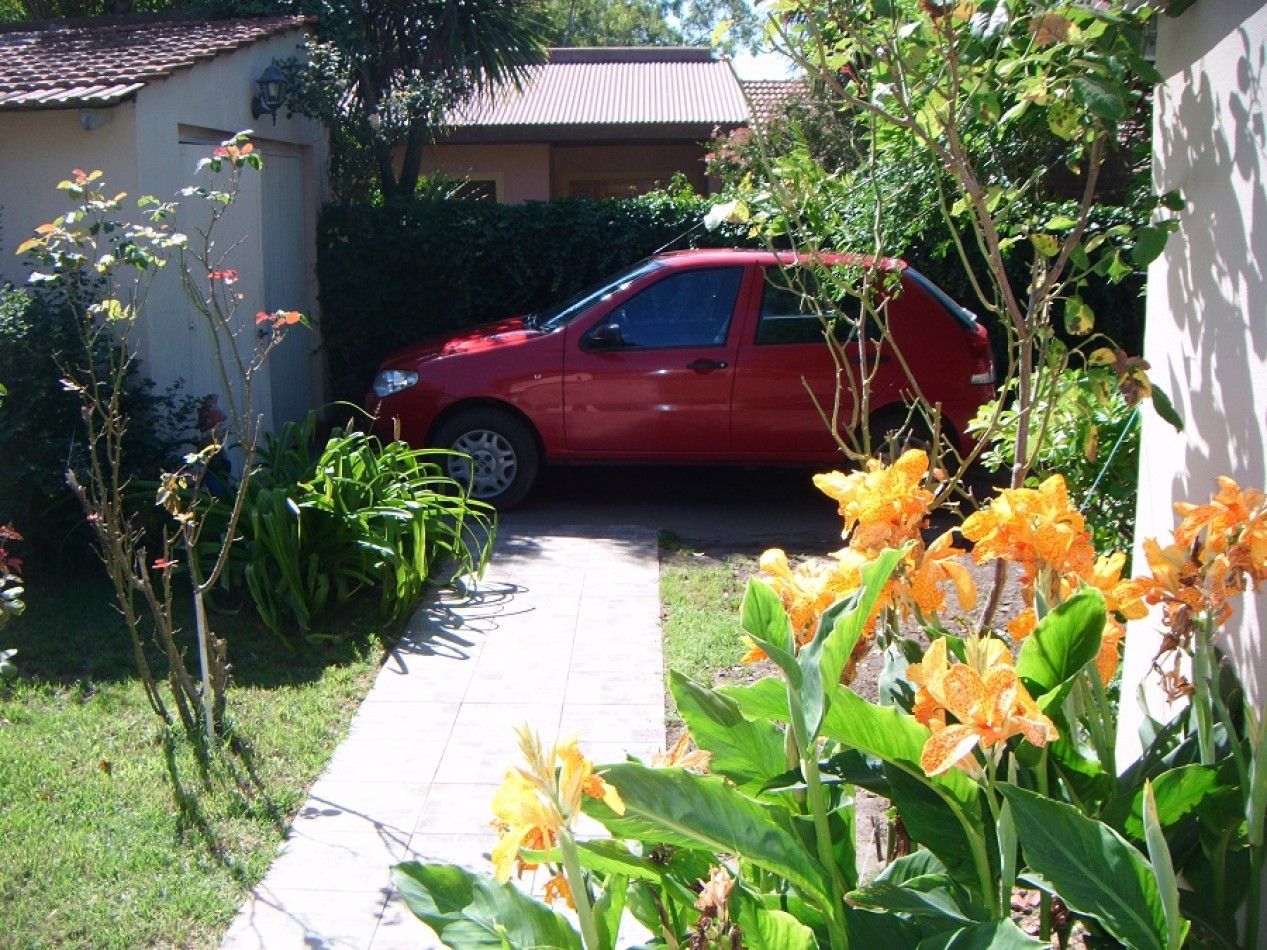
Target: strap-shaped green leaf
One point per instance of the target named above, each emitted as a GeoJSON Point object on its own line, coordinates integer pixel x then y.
{"type": "Point", "coordinates": [1065, 641]}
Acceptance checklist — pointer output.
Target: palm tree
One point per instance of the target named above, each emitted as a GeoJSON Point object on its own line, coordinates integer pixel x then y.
{"type": "Point", "coordinates": [383, 73]}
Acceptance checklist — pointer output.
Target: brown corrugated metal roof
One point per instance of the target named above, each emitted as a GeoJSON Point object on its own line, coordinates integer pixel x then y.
{"type": "Point", "coordinates": [103, 62]}
{"type": "Point", "coordinates": [616, 86]}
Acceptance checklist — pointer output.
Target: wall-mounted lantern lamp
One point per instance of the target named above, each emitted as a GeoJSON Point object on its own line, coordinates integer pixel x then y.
{"type": "Point", "coordinates": [272, 94]}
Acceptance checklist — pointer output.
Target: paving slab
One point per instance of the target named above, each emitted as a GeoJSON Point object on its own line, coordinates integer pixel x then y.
{"type": "Point", "coordinates": [563, 634]}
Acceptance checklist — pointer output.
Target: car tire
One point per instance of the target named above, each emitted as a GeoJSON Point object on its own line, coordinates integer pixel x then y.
{"type": "Point", "coordinates": [503, 454]}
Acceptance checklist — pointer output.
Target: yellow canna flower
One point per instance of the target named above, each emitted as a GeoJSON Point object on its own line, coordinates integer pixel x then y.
{"type": "Point", "coordinates": [682, 756]}
{"type": "Point", "coordinates": [534, 806]}
{"type": "Point", "coordinates": [526, 819]}
{"type": "Point", "coordinates": [577, 777]}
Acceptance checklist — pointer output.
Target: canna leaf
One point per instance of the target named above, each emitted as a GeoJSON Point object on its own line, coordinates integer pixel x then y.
{"type": "Point", "coordinates": [469, 910]}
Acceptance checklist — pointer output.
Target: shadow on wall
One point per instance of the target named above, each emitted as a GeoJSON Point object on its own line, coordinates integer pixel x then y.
{"type": "Point", "coordinates": [1216, 286]}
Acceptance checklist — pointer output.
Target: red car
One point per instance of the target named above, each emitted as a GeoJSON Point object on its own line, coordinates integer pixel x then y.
{"type": "Point", "coordinates": [692, 356]}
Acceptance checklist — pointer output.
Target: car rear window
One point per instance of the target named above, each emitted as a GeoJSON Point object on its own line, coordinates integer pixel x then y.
{"type": "Point", "coordinates": [791, 315]}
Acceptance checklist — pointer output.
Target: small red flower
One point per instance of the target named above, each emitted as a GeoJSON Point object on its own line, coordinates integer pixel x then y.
{"type": "Point", "coordinates": [228, 276]}
{"type": "Point", "coordinates": [163, 564]}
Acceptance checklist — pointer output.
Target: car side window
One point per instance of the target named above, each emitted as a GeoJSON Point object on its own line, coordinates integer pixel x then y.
{"type": "Point", "coordinates": [691, 308]}
{"type": "Point", "coordinates": [788, 315]}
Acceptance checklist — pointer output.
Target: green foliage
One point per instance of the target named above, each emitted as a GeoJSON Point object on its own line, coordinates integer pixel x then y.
{"type": "Point", "coordinates": [381, 75]}
{"type": "Point", "coordinates": [726, 24]}
{"type": "Point", "coordinates": [41, 429]}
{"type": "Point", "coordinates": [319, 527]}
{"type": "Point", "coordinates": [422, 268]}
{"type": "Point", "coordinates": [1088, 432]}
{"type": "Point", "coordinates": [469, 911]}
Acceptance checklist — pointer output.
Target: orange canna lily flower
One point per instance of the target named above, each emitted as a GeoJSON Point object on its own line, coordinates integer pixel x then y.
{"type": "Point", "coordinates": [882, 506]}
{"type": "Point", "coordinates": [990, 709]}
{"type": "Point", "coordinates": [924, 582]}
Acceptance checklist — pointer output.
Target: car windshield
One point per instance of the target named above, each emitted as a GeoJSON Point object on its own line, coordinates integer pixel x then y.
{"type": "Point", "coordinates": [564, 313]}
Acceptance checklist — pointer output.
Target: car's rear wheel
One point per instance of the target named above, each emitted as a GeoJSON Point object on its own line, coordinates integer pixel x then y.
{"type": "Point", "coordinates": [894, 431]}
{"type": "Point", "coordinates": [503, 458]}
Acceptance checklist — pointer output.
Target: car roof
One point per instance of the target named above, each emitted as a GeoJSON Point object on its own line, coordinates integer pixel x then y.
{"type": "Point", "coordinates": [730, 255]}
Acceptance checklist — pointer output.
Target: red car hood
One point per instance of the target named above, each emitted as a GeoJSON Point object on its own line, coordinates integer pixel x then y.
{"type": "Point", "coordinates": [486, 336]}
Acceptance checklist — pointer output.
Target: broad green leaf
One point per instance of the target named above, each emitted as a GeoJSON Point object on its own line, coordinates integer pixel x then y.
{"type": "Point", "coordinates": [1164, 870]}
{"type": "Point", "coordinates": [610, 857]}
{"type": "Point", "coordinates": [609, 908]}
{"type": "Point", "coordinates": [996, 935]}
{"type": "Point", "coordinates": [1165, 408]}
{"type": "Point", "coordinates": [883, 732]}
{"type": "Point", "coordinates": [841, 635]}
{"type": "Point", "coordinates": [930, 895]}
{"type": "Point", "coordinates": [1149, 243]}
{"type": "Point", "coordinates": [930, 823]}
{"type": "Point", "coordinates": [749, 753]}
{"type": "Point", "coordinates": [469, 910]}
{"type": "Point", "coordinates": [674, 807]}
{"type": "Point", "coordinates": [1061, 222]}
{"type": "Point", "coordinates": [1093, 869]}
{"type": "Point", "coordinates": [767, 928]}
{"type": "Point", "coordinates": [1177, 794]}
{"type": "Point", "coordinates": [1101, 98]}
{"type": "Point", "coordinates": [913, 865]}
{"type": "Point", "coordinates": [1064, 642]}
{"type": "Point", "coordinates": [763, 618]}
{"type": "Point", "coordinates": [870, 929]}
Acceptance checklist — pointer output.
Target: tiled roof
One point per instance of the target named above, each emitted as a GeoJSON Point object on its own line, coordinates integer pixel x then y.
{"type": "Point", "coordinates": [766, 95]}
{"type": "Point", "coordinates": [616, 86]}
{"type": "Point", "coordinates": [101, 63]}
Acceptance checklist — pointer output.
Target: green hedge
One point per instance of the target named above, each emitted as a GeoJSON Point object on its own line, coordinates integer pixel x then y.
{"type": "Point", "coordinates": [395, 274]}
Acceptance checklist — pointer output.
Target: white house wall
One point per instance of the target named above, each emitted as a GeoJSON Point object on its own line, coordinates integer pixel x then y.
{"type": "Point", "coordinates": [40, 149]}
{"type": "Point", "coordinates": [140, 151]}
{"type": "Point", "coordinates": [201, 107]}
{"type": "Point", "coordinates": [1206, 334]}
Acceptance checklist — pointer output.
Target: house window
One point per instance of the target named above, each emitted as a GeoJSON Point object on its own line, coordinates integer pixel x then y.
{"type": "Point", "coordinates": [599, 189]}
{"type": "Point", "coordinates": [477, 189]}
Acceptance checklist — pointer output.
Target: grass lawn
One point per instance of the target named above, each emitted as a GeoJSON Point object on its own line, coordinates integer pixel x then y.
{"type": "Point", "coordinates": [700, 597]}
{"type": "Point", "coordinates": [112, 834]}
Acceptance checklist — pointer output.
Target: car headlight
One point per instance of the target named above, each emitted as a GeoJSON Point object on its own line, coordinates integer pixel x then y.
{"type": "Point", "coordinates": [390, 381]}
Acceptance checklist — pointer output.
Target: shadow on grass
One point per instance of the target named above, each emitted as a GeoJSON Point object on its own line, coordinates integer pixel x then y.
{"type": "Point", "coordinates": [72, 635]}
{"type": "Point", "coordinates": [219, 772]}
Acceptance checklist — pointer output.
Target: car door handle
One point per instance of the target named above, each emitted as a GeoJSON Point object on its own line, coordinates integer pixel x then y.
{"type": "Point", "coordinates": [707, 364]}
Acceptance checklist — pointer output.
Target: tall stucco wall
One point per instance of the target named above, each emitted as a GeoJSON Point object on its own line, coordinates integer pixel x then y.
{"type": "Point", "coordinates": [40, 149]}
{"type": "Point", "coordinates": [1206, 333]}
{"type": "Point", "coordinates": [522, 172]}
{"type": "Point", "coordinates": [150, 146]}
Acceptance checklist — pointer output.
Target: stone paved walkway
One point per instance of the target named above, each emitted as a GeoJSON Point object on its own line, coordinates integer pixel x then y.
{"type": "Point", "coordinates": [563, 635]}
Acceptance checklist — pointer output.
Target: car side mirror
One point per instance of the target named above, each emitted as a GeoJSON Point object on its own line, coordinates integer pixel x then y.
{"type": "Point", "coordinates": [607, 336]}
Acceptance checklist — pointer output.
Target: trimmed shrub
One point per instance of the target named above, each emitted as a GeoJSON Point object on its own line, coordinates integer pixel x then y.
{"type": "Point", "coordinates": [41, 433]}
{"type": "Point", "coordinates": [396, 274]}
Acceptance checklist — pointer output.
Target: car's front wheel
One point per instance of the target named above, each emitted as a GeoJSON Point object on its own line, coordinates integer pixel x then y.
{"type": "Point", "coordinates": [499, 457]}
